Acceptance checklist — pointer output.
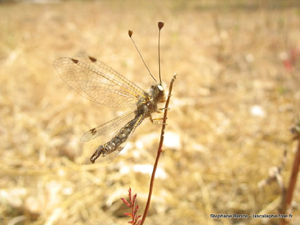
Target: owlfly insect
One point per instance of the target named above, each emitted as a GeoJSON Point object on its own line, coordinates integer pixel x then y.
{"type": "Point", "coordinates": [101, 84]}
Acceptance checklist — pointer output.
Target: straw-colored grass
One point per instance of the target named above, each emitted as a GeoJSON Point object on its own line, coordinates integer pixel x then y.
{"type": "Point", "coordinates": [233, 103]}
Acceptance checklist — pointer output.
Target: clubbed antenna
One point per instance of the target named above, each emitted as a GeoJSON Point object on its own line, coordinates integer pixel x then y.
{"type": "Point", "coordinates": [130, 33]}
{"type": "Point", "coordinates": [160, 26]}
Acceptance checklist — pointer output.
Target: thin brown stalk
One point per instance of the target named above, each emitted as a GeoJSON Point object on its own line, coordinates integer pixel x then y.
{"type": "Point", "coordinates": [159, 150]}
{"type": "Point", "coordinates": [293, 178]}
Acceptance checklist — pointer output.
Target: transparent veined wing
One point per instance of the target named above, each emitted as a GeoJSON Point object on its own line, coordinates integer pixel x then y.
{"type": "Point", "coordinates": [98, 82]}
{"type": "Point", "coordinates": [108, 127]}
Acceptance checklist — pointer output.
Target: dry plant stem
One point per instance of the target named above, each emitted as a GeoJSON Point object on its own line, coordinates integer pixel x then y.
{"type": "Point", "coordinates": [294, 175]}
{"type": "Point", "coordinates": [159, 150]}
{"type": "Point", "coordinates": [293, 179]}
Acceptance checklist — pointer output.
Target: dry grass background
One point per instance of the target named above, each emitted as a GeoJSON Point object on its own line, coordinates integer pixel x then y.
{"type": "Point", "coordinates": [235, 99]}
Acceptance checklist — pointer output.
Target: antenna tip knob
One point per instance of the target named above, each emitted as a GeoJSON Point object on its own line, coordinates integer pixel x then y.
{"type": "Point", "coordinates": [130, 32]}
{"type": "Point", "coordinates": [161, 24]}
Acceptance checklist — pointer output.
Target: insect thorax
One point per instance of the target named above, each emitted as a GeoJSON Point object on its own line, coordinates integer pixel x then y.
{"type": "Point", "coordinates": [148, 104]}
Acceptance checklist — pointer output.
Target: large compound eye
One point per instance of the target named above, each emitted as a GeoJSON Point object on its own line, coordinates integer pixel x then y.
{"type": "Point", "coordinates": [160, 87]}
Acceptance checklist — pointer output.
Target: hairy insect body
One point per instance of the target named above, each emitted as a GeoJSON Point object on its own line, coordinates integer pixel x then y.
{"type": "Point", "coordinates": [115, 144]}
{"type": "Point", "coordinates": [145, 106]}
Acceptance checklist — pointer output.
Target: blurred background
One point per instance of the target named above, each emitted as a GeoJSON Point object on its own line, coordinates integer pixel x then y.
{"type": "Point", "coordinates": [234, 101]}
